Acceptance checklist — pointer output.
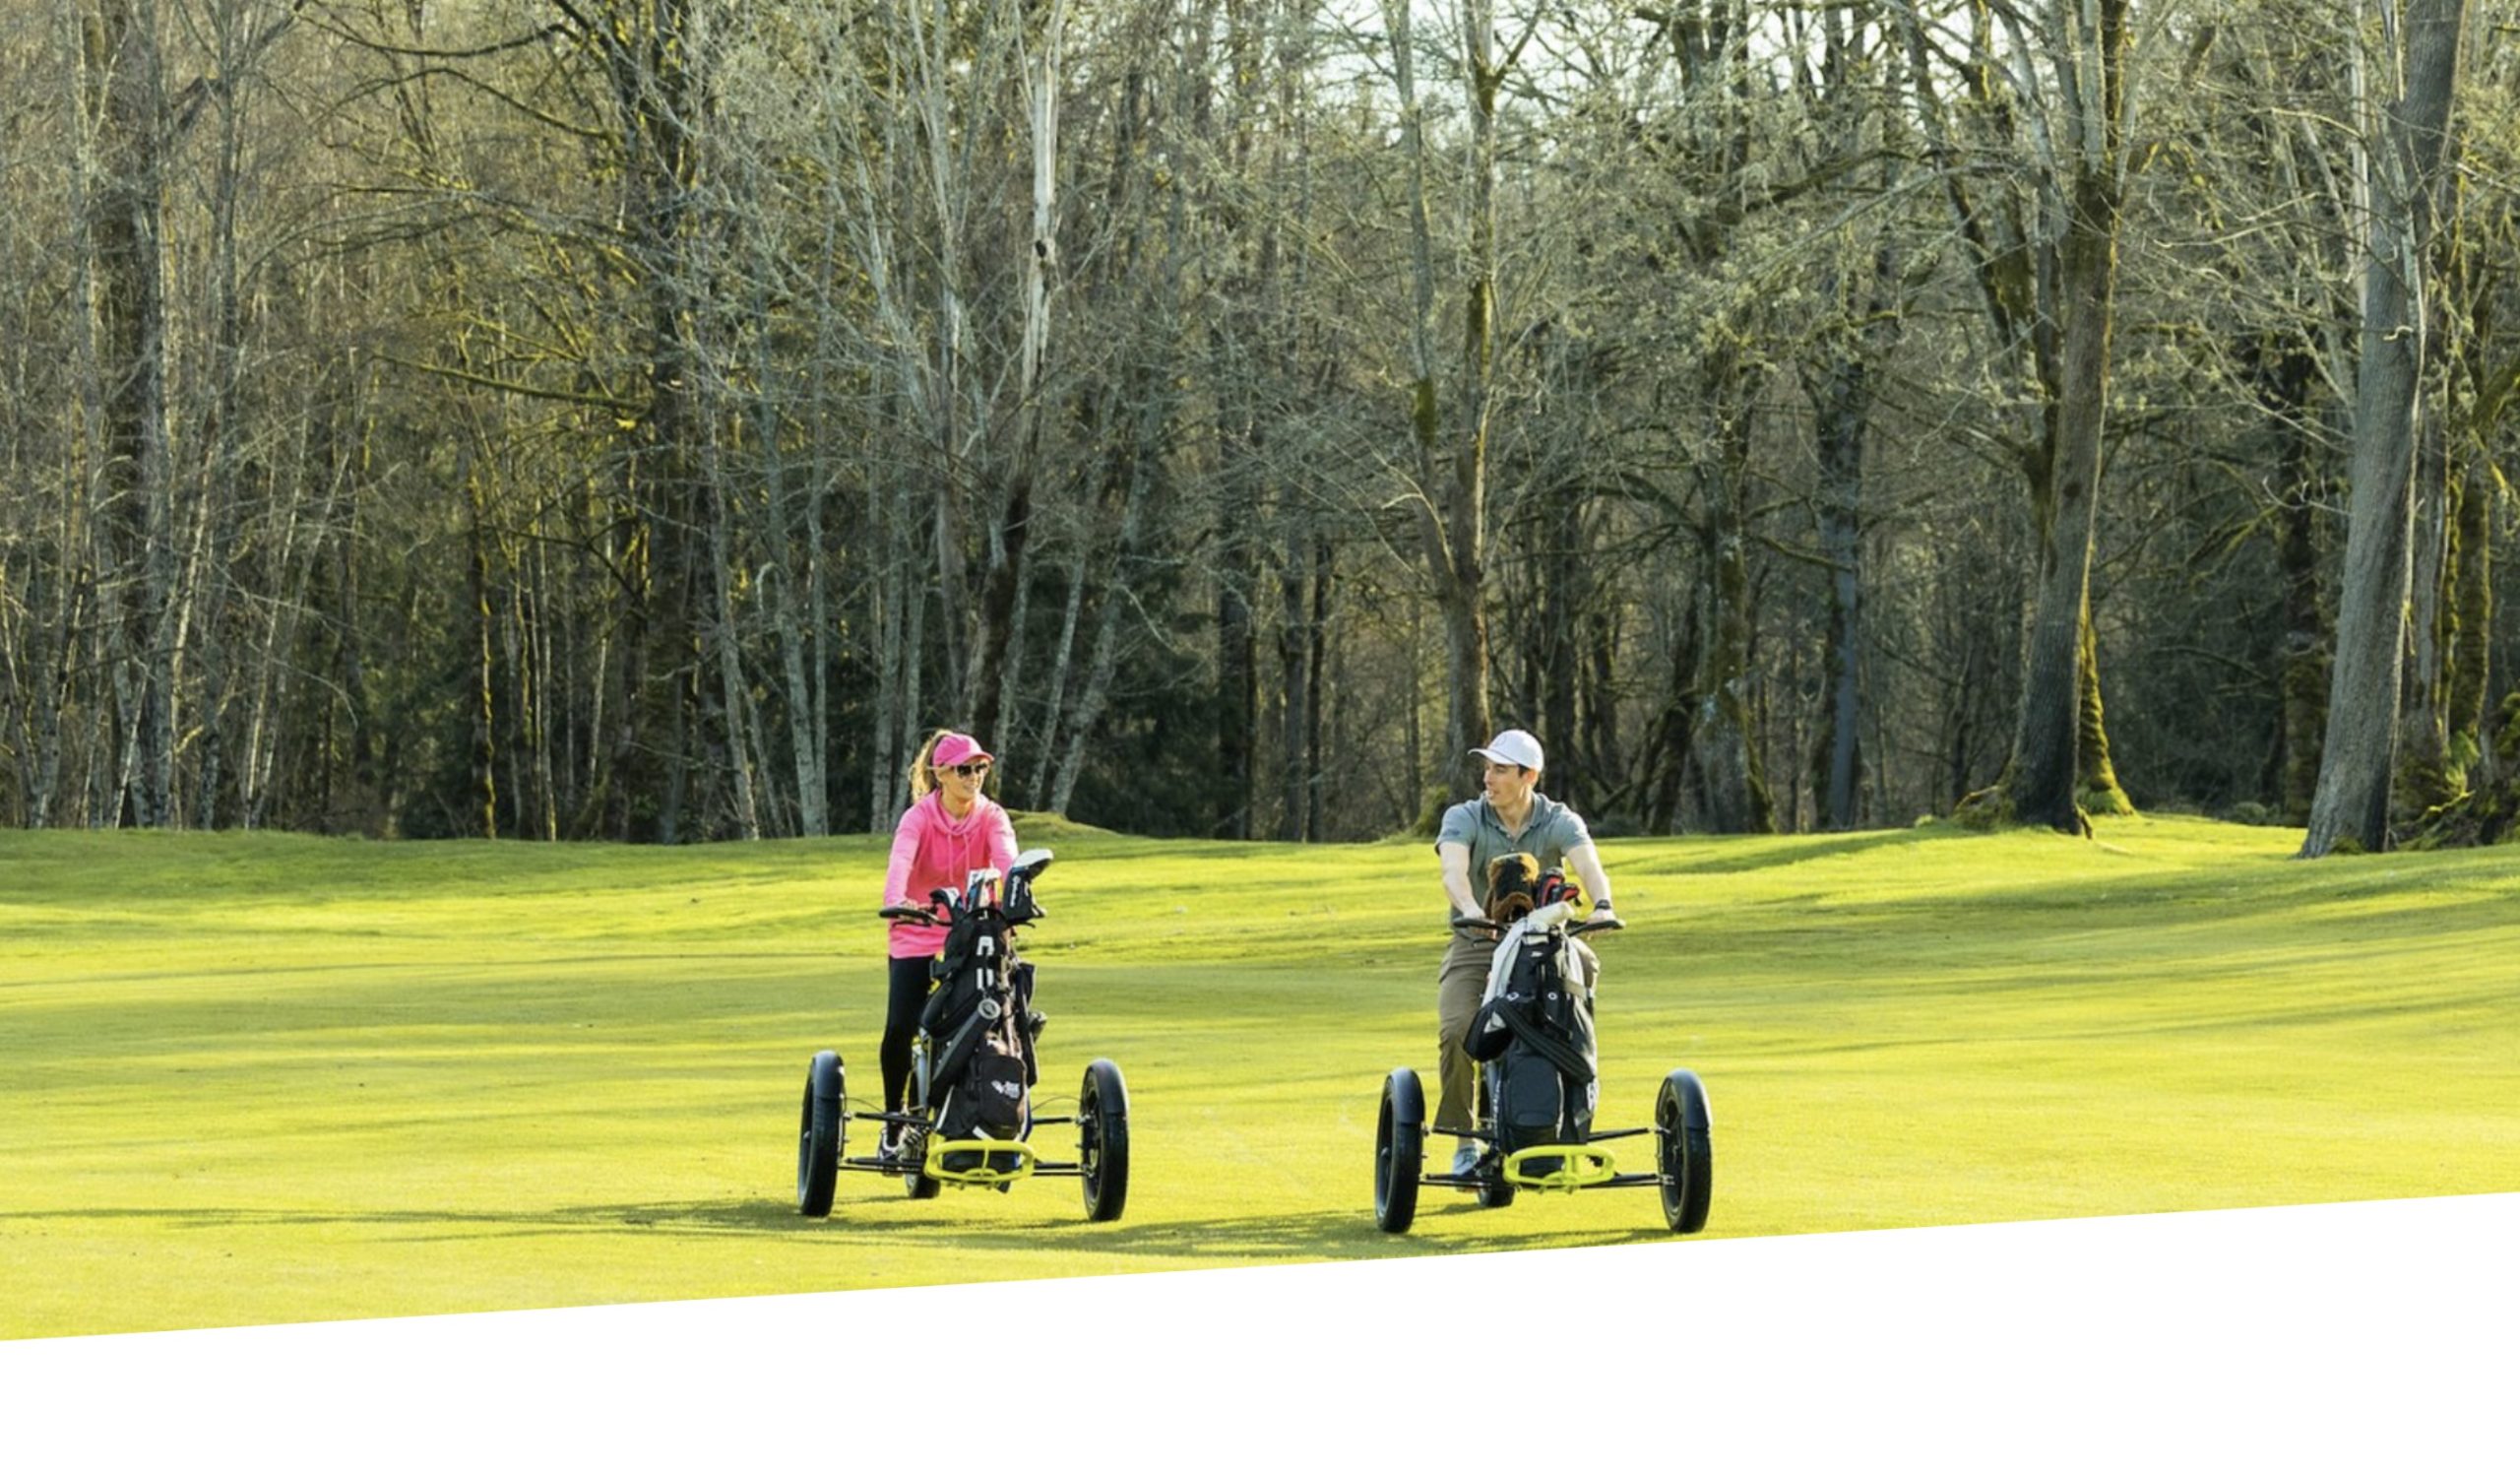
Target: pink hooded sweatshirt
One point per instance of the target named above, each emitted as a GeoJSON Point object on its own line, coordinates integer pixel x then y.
{"type": "Point", "coordinates": [933, 851]}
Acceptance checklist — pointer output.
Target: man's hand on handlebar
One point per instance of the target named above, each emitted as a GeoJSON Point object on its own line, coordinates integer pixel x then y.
{"type": "Point", "coordinates": [1479, 927]}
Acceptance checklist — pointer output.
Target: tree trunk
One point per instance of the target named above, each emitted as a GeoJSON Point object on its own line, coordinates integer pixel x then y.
{"type": "Point", "coordinates": [2471, 635]}
{"type": "Point", "coordinates": [1294, 650]}
{"type": "Point", "coordinates": [481, 705]}
{"type": "Point", "coordinates": [124, 225]}
{"type": "Point", "coordinates": [1002, 605]}
{"type": "Point", "coordinates": [1143, 467]}
{"type": "Point", "coordinates": [1453, 530]}
{"type": "Point", "coordinates": [722, 639]}
{"type": "Point", "coordinates": [2097, 774]}
{"type": "Point", "coordinates": [2350, 808]}
{"type": "Point", "coordinates": [1670, 745]}
{"type": "Point", "coordinates": [2043, 780]}
{"type": "Point", "coordinates": [1842, 401]}
{"type": "Point", "coordinates": [1317, 685]}
{"type": "Point", "coordinates": [1731, 789]}
{"type": "Point", "coordinates": [1237, 706]}
{"type": "Point", "coordinates": [2302, 654]}
{"type": "Point", "coordinates": [2424, 776]}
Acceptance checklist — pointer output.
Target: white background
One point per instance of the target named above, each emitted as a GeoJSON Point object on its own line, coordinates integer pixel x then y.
{"type": "Point", "coordinates": [2376, 1336]}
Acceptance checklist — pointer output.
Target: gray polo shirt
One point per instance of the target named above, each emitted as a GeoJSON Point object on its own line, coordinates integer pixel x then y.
{"type": "Point", "coordinates": [1548, 832]}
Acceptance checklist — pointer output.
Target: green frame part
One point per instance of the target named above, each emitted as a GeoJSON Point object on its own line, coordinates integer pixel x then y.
{"type": "Point", "coordinates": [1578, 1167]}
{"type": "Point", "coordinates": [980, 1177]}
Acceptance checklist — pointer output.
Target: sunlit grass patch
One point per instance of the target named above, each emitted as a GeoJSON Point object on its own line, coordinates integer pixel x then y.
{"type": "Point", "coordinates": [271, 1077]}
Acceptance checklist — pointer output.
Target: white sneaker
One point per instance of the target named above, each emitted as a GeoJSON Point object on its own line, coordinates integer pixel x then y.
{"type": "Point", "coordinates": [1465, 1158]}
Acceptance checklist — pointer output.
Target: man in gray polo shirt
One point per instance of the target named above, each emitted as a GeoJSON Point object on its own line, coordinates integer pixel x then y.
{"type": "Point", "coordinates": [1510, 815]}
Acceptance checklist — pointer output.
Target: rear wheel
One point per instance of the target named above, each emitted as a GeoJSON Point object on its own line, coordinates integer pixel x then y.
{"type": "Point", "coordinates": [1400, 1150]}
{"type": "Point", "coordinates": [823, 1123]}
{"type": "Point", "coordinates": [1102, 1141]}
{"type": "Point", "coordinates": [1684, 1151]}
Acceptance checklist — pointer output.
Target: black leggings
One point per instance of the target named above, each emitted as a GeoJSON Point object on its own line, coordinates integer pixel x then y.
{"type": "Point", "coordinates": [909, 996]}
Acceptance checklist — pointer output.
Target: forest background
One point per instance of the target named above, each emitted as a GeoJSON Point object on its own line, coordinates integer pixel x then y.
{"type": "Point", "coordinates": [586, 418]}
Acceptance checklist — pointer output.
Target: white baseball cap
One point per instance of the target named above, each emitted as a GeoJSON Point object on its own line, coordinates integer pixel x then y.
{"type": "Point", "coordinates": [1513, 745]}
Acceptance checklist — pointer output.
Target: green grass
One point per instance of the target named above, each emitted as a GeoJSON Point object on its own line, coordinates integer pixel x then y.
{"type": "Point", "coordinates": [275, 1078]}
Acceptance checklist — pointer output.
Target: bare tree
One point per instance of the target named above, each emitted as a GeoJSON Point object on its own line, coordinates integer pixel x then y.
{"type": "Point", "coordinates": [2417, 72]}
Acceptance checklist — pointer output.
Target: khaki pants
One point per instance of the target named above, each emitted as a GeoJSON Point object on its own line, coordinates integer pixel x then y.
{"type": "Point", "coordinates": [1460, 984]}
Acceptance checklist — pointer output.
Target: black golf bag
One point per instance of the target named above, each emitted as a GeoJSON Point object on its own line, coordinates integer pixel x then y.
{"type": "Point", "coordinates": [1534, 1034]}
{"type": "Point", "coordinates": [980, 1026]}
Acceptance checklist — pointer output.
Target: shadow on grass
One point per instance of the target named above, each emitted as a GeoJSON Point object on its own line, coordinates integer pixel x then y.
{"type": "Point", "coordinates": [1322, 1235]}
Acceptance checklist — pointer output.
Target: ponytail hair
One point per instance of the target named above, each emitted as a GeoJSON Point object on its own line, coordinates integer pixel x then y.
{"type": "Point", "coordinates": [923, 769]}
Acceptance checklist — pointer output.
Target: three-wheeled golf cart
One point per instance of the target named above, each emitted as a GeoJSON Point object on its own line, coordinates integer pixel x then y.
{"type": "Point", "coordinates": [1538, 1082]}
{"type": "Point", "coordinates": [968, 1119]}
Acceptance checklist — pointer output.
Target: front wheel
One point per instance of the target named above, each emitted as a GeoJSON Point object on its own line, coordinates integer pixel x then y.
{"type": "Point", "coordinates": [915, 1178]}
{"type": "Point", "coordinates": [1494, 1193]}
{"type": "Point", "coordinates": [1499, 1193]}
{"type": "Point", "coordinates": [1400, 1150]}
{"type": "Point", "coordinates": [1102, 1141]}
{"type": "Point", "coordinates": [1684, 1151]}
{"type": "Point", "coordinates": [824, 1121]}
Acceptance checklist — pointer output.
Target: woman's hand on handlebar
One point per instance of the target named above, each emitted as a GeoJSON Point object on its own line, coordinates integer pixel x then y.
{"type": "Point", "coordinates": [900, 913]}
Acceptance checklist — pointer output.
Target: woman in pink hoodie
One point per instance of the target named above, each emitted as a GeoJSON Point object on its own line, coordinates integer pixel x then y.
{"type": "Point", "coordinates": [950, 830]}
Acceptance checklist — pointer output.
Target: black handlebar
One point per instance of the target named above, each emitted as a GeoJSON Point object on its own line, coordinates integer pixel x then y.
{"type": "Point", "coordinates": [1479, 926]}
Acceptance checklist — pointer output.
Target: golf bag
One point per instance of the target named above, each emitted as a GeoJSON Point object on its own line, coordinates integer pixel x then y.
{"type": "Point", "coordinates": [1533, 1035]}
{"type": "Point", "coordinates": [981, 1024]}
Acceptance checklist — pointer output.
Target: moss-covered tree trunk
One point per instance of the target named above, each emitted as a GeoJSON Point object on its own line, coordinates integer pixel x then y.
{"type": "Point", "coordinates": [2427, 776]}
{"type": "Point", "coordinates": [2101, 793]}
{"type": "Point", "coordinates": [2471, 612]}
{"type": "Point", "coordinates": [2350, 808]}
{"type": "Point", "coordinates": [2043, 782]}
{"type": "Point", "coordinates": [2048, 285]}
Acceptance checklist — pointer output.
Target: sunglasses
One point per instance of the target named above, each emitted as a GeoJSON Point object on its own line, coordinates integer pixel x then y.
{"type": "Point", "coordinates": [968, 770]}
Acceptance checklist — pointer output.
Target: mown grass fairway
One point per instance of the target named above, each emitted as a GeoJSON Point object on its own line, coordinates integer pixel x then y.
{"type": "Point", "coordinates": [271, 1079]}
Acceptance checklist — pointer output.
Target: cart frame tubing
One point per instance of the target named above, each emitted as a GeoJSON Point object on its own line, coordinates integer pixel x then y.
{"type": "Point", "coordinates": [933, 1165]}
{"type": "Point", "coordinates": [1579, 1166]}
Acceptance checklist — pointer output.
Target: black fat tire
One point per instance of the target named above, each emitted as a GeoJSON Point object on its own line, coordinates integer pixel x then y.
{"type": "Point", "coordinates": [1684, 1151]}
{"type": "Point", "coordinates": [1400, 1150]}
{"type": "Point", "coordinates": [822, 1123]}
{"type": "Point", "coordinates": [1102, 1141]}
